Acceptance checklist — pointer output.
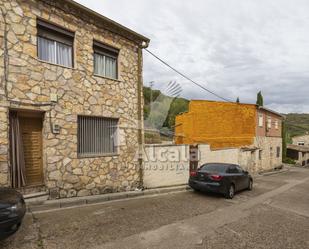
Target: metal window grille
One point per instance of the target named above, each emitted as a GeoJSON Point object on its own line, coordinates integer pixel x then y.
{"type": "Point", "coordinates": [97, 135]}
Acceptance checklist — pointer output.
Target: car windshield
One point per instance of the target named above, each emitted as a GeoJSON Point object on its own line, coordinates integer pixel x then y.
{"type": "Point", "coordinates": [214, 167]}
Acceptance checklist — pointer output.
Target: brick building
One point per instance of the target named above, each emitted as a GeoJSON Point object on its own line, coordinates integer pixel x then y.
{"type": "Point", "coordinates": [233, 125]}
{"type": "Point", "coordinates": [70, 99]}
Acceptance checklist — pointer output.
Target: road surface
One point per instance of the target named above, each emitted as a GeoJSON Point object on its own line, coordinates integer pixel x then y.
{"type": "Point", "coordinates": [274, 215]}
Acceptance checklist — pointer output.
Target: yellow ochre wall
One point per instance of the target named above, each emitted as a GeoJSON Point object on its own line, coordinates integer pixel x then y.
{"type": "Point", "coordinates": [219, 124]}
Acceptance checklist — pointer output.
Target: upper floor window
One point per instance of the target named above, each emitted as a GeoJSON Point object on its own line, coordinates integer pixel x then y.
{"type": "Point", "coordinates": [269, 123]}
{"type": "Point", "coordinates": [105, 60]}
{"type": "Point", "coordinates": [301, 143]}
{"type": "Point", "coordinates": [261, 120]}
{"type": "Point", "coordinates": [276, 125]}
{"type": "Point", "coordinates": [55, 45]}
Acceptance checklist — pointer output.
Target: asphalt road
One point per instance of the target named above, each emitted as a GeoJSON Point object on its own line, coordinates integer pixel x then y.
{"type": "Point", "coordinates": [274, 215]}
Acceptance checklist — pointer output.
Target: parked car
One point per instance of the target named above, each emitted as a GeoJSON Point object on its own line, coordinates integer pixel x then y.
{"type": "Point", "coordinates": [221, 178]}
{"type": "Point", "coordinates": [12, 211]}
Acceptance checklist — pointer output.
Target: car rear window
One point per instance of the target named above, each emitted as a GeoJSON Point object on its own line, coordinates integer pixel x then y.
{"type": "Point", "coordinates": [215, 167]}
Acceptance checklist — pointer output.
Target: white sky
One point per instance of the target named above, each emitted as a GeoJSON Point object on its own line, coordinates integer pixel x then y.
{"type": "Point", "coordinates": [233, 47]}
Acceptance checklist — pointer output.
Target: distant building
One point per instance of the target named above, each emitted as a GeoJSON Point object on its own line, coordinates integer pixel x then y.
{"type": "Point", "coordinates": [301, 140]}
{"type": "Point", "coordinates": [230, 125]}
{"type": "Point", "coordinates": [299, 153]}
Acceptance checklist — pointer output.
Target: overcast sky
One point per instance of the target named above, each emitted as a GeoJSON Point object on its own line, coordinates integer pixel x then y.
{"type": "Point", "coordinates": [233, 47]}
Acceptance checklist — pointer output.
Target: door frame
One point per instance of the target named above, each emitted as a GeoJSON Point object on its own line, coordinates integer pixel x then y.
{"type": "Point", "coordinates": [29, 113]}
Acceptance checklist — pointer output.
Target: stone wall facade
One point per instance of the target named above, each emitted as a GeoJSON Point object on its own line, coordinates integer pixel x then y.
{"type": "Point", "coordinates": [268, 158]}
{"type": "Point", "coordinates": [31, 82]}
{"type": "Point", "coordinates": [301, 140]}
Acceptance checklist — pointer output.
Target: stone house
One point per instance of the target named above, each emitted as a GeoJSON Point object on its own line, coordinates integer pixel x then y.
{"type": "Point", "coordinates": [302, 140]}
{"type": "Point", "coordinates": [70, 99]}
{"type": "Point", "coordinates": [299, 153]}
{"type": "Point", "coordinates": [255, 130]}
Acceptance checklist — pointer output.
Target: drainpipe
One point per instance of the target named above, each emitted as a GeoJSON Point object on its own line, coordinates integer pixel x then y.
{"type": "Point", "coordinates": [5, 53]}
{"type": "Point", "coordinates": [140, 112]}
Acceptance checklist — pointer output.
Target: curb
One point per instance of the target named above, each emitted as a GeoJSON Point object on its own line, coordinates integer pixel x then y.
{"type": "Point", "coordinates": [39, 205]}
{"type": "Point", "coordinates": [274, 172]}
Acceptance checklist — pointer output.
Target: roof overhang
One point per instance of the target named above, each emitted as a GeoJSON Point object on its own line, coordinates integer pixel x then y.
{"type": "Point", "coordinates": [300, 148]}
{"type": "Point", "coordinates": [108, 23]}
{"type": "Point", "coordinates": [271, 111]}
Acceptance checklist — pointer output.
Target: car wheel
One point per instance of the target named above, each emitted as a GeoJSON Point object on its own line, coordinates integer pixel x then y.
{"type": "Point", "coordinates": [230, 192]}
{"type": "Point", "coordinates": [250, 186]}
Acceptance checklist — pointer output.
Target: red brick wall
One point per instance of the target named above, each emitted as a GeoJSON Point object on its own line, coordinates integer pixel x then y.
{"type": "Point", "coordinates": [273, 131]}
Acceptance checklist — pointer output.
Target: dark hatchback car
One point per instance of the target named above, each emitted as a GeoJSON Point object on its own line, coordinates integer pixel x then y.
{"type": "Point", "coordinates": [220, 178]}
{"type": "Point", "coordinates": [12, 211]}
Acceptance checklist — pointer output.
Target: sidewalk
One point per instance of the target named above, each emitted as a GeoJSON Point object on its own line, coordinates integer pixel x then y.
{"type": "Point", "coordinates": [42, 204]}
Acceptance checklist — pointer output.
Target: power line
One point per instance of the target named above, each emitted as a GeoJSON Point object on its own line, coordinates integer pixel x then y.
{"type": "Point", "coordinates": [186, 77]}
{"type": "Point", "coordinates": [297, 126]}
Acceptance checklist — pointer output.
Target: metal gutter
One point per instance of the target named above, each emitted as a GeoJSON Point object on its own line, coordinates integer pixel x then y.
{"type": "Point", "coordinates": [114, 25]}
{"type": "Point", "coordinates": [271, 111]}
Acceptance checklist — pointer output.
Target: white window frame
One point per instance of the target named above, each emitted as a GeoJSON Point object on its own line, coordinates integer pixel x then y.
{"type": "Point", "coordinates": [268, 122]}
{"type": "Point", "coordinates": [301, 143]}
{"type": "Point", "coordinates": [261, 120]}
{"type": "Point", "coordinates": [276, 124]}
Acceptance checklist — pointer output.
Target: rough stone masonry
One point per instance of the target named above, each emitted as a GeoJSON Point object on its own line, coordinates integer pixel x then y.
{"type": "Point", "coordinates": [28, 83]}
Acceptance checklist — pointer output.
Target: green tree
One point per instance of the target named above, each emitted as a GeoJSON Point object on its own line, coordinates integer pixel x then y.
{"type": "Point", "coordinates": [178, 106]}
{"type": "Point", "coordinates": [259, 99]}
{"type": "Point", "coordinates": [237, 100]}
{"type": "Point", "coordinates": [152, 110]}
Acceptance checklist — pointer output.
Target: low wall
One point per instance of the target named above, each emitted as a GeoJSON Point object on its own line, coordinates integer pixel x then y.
{"type": "Point", "coordinates": [165, 165]}
{"type": "Point", "coordinates": [168, 165]}
{"type": "Point", "coordinates": [229, 155]}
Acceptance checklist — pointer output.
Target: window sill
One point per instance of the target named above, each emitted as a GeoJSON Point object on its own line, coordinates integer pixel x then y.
{"type": "Point", "coordinates": [81, 156]}
{"type": "Point", "coordinates": [107, 78]}
{"type": "Point", "coordinates": [54, 64]}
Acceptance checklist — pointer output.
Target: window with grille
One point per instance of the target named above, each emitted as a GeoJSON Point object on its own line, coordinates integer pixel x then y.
{"type": "Point", "coordinates": [105, 60]}
{"type": "Point", "coordinates": [55, 45]}
{"type": "Point", "coordinates": [97, 136]}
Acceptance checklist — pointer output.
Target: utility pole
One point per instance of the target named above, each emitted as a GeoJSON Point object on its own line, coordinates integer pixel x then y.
{"type": "Point", "coordinates": [151, 83]}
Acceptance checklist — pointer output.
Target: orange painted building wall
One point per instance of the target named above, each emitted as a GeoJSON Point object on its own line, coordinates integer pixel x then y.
{"type": "Point", "coordinates": [219, 124]}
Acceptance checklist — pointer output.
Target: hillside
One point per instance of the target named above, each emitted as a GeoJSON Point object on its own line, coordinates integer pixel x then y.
{"type": "Point", "coordinates": [161, 104]}
{"type": "Point", "coordinates": [297, 123]}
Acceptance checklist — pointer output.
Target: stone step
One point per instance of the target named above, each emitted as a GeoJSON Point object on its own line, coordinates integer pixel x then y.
{"type": "Point", "coordinates": [35, 195]}
{"type": "Point", "coordinates": [38, 205]}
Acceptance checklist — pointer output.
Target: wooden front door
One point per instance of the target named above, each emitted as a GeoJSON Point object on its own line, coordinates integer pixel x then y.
{"type": "Point", "coordinates": [31, 129]}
